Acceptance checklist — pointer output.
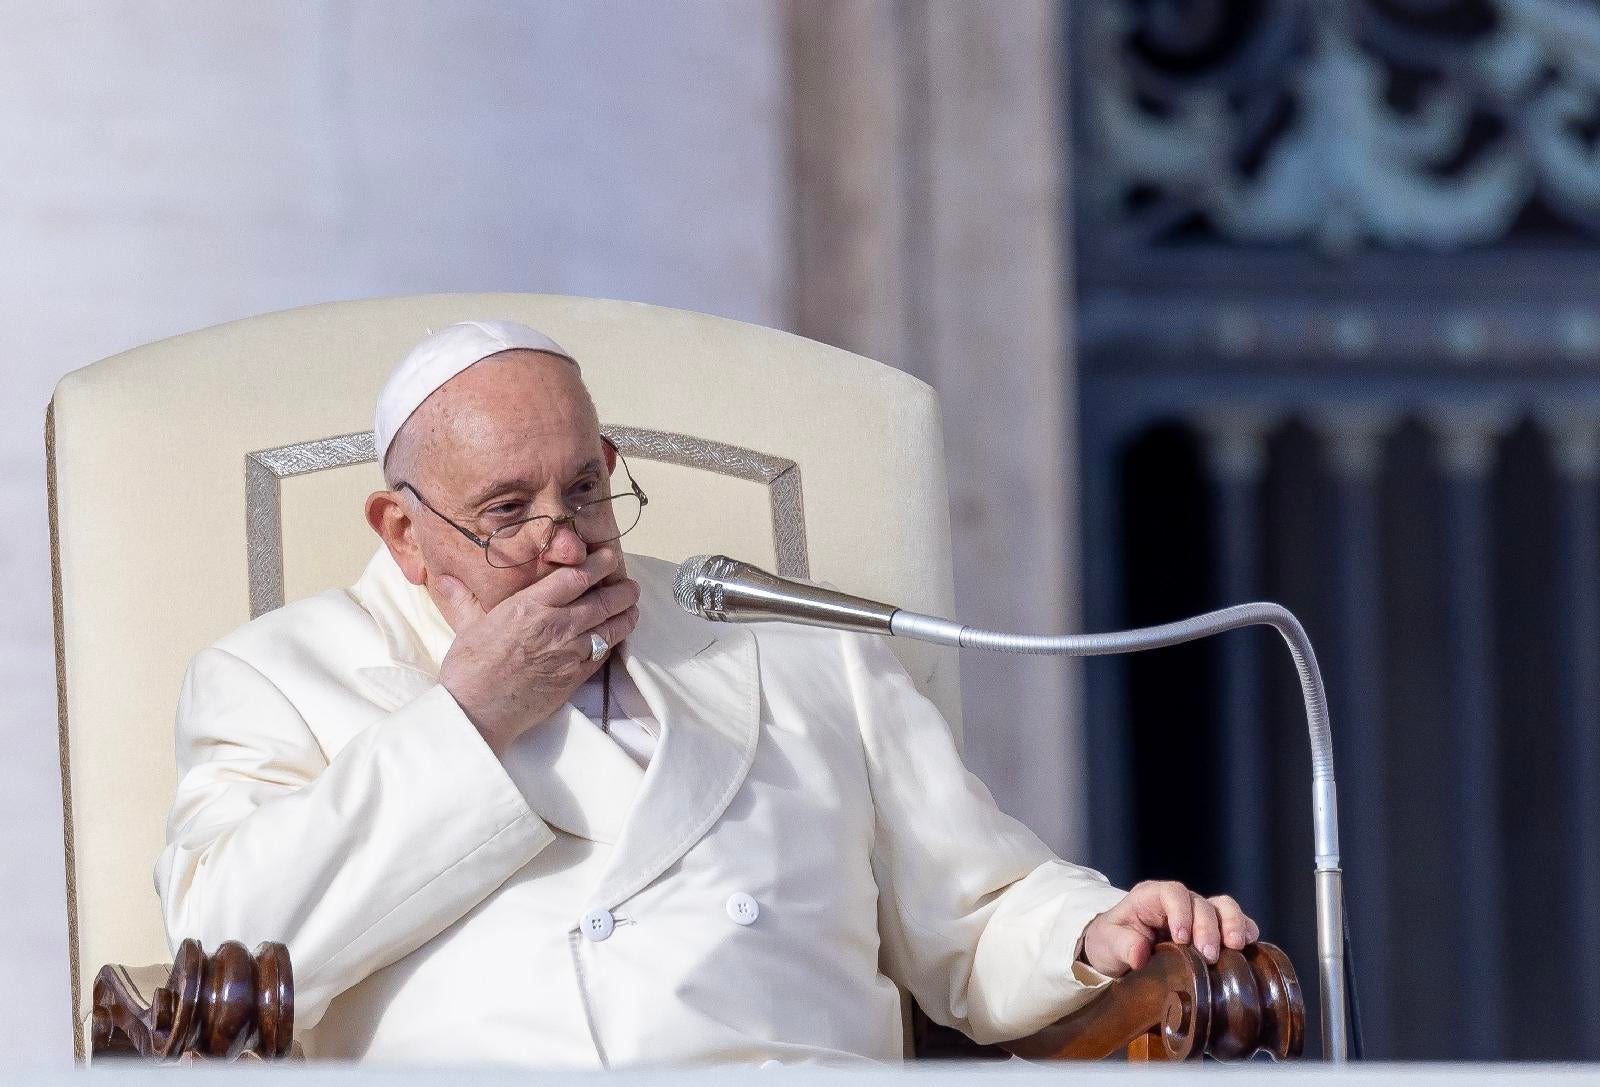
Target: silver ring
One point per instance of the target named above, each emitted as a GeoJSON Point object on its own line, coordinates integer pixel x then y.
{"type": "Point", "coordinates": [597, 647]}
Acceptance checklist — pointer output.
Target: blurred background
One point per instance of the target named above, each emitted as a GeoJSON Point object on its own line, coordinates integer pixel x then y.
{"type": "Point", "coordinates": [1225, 299]}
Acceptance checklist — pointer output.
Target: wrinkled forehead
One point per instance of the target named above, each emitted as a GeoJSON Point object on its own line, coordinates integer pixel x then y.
{"type": "Point", "coordinates": [516, 411]}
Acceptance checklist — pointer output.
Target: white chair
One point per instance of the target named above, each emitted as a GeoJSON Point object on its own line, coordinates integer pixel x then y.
{"type": "Point", "coordinates": [199, 481]}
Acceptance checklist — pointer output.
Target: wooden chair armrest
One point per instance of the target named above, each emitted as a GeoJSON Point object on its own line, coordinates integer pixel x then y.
{"type": "Point", "coordinates": [226, 1006]}
{"type": "Point", "coordinates": [233, 1005]}
{"type": "Point", "coordinates": [1178, 1007]}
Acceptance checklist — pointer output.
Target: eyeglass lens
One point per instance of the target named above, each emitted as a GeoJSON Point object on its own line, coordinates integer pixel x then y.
{"type": "Point", "coordinates": [596, 523]}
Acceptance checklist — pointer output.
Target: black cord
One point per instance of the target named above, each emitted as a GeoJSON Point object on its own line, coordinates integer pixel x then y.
{"type": "Point", "coordinates": [1357, 1046]}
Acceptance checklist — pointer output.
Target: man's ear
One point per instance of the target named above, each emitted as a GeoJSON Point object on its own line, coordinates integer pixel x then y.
{"type": "Point", "coordinates": [390, 519]}
{"type": "Point", "coordinates": [611, 455]}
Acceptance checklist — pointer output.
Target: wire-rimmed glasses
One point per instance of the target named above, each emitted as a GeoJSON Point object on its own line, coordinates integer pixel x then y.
{"type": "Point", "coordinates": [596, 522]}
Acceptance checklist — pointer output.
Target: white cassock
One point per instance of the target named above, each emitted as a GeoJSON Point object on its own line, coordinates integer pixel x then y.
{"type": "Point", "coordinates": [804, 837]}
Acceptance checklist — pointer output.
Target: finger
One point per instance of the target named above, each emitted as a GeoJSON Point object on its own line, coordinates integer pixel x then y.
{"type": "Point", "coordinates": [1207, 928]}
{"type": "Point", "coordinates": [615, 598]}
{"type": "Point", "coordinates": [1138, 910]}
{"type": "Point", "coordinates": [561, 587]}
{"type": "Point", "coordinates": [1237, 929]}
{"type": "Point", "coordinates": [615, 629]}
{"type": "Point", "coordinates": [1176, 905]}
{"type": "Point", "coordinates": [602, 603]}
{"type": "Point", "coordinates": [1133, 948]}
{"type": "Point", "coordinates": [618, 572]}
{"type": "Point", "coordinates": [457, 603]}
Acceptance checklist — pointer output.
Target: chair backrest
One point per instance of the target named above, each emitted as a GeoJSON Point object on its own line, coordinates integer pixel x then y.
{"type": "Point", "coordinates": [201, 480]}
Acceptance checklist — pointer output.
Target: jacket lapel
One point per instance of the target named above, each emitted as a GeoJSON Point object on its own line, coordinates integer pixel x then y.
{"type": "Point", "coordinates": [701, 681]}
{"type": "Point", "coordinates": [573, 775]}
{"type": "Point", "coordinates": [415, 634]}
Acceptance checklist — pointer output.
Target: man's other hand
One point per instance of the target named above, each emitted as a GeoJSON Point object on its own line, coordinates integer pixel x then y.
{"type": "Point", "coordinates": [1122, 938]}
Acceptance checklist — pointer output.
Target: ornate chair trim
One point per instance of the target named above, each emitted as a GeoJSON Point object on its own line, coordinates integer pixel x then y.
{"type": "Point", "coordinates": [265, 469]}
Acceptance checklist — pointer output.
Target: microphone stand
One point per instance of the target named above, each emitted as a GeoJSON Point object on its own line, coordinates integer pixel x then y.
{"type": "Point", "coordinates": [1324, 798]}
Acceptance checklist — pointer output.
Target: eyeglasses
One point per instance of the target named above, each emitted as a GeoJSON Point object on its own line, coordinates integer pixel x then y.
{"type": "Point", "coordinates": [520, 542]}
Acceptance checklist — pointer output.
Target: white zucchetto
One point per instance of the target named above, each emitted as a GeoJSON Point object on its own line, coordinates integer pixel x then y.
{"type": "Point", "coordinates": [442, 356]}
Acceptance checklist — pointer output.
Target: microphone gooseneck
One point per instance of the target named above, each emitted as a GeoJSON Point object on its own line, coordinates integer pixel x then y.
{"type": "Point", "coordinates": [721, 589]}
{"type": "Point", "coordinates": [1324, 793]}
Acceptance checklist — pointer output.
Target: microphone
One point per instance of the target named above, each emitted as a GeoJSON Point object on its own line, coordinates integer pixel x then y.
{"type": "Point", "coordinates": [725, 590]}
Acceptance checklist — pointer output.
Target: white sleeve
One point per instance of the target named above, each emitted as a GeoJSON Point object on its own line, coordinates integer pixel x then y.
{"type": "Point", "coordinates": [979, 920]}
{"type": "Point", "coordinates": [354, 862]}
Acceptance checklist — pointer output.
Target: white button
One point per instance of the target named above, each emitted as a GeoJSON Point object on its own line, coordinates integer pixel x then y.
{"type": "Point", "coordinates": [743, 909]}
{"type": "Point", "coordinates": [597, 924]}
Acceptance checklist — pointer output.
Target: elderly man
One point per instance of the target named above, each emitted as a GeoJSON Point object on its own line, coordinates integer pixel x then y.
{"type": "Point", "coordinates": [505, 801]}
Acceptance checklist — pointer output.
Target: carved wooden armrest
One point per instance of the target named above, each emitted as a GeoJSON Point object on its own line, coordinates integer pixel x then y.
{"type": "Point", "coordinates": [225, 1006]}
{"type": "Point", "coordinates": [1177, 1007]}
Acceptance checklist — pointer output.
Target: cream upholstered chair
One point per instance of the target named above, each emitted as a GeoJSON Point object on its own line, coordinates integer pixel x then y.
{"type": "Point", "coordinates": [202, 480]}
{"type": "Point", "coordinates": [199, 481]}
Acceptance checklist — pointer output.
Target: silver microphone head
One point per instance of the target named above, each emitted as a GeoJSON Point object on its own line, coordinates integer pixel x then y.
{"type": "Point", "coordinates": [724, 590]}
{"type": "Point", "coordinates": [699, 597]}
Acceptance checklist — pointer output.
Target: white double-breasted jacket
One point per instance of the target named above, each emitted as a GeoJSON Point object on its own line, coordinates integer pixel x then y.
{"type": "Point", "coordinates": [566, 907]}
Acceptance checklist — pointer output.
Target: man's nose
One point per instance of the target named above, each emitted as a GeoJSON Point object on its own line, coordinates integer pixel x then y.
{"type": "Point", "coordinates": [566, 547]}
